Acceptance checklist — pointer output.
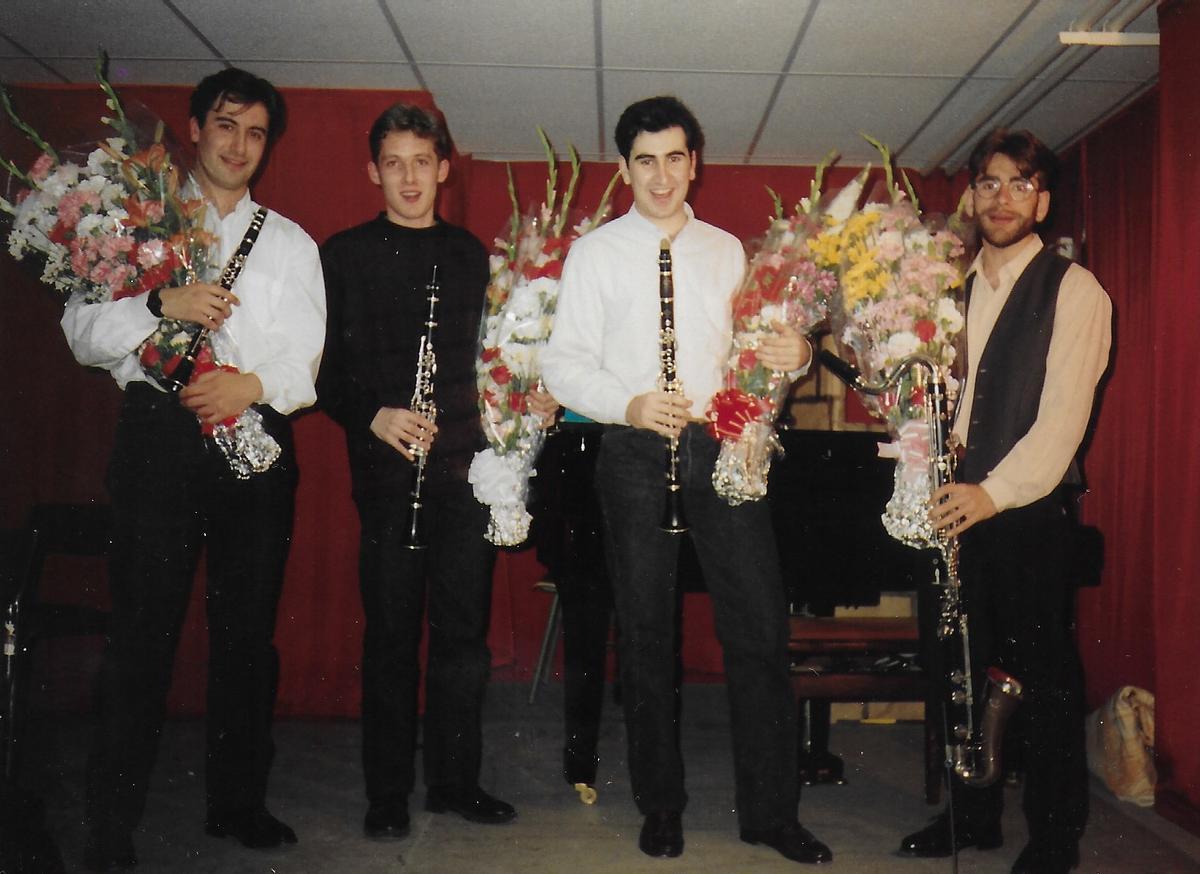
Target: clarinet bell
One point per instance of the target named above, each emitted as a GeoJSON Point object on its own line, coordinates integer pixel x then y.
{"type": "Point", "coordinates": [674, 521]}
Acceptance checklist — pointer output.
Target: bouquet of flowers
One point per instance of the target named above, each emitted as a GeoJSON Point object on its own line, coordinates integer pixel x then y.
{"type": "Point", "coordinates": [898, 274]}
{"type": "Point", "coordinates": [518, 315]}
{"type": "Point", "coordinates": [784, 285]}
{"type": "Point", "coordinates": [118, 223]}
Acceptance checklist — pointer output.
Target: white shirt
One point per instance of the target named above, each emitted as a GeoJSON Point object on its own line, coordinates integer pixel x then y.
{"type": "Point", "coordinates": [1077, 359]}
{"type": "Point", "coordinates": [277, 332]}
{"type": "Point", "coordinates": [604, 349]}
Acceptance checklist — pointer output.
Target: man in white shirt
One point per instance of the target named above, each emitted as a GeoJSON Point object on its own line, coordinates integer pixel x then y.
{"type": "Point", "coordinates": [173, 492]}
{"type": "Point", "coordinates": [603, 361]}
{"type": "Point", "coordinates": [1039, 328]}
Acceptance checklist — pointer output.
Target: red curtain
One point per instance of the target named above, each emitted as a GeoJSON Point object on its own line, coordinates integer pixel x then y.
{"type": "Point", "coordinates": [1174, 508]}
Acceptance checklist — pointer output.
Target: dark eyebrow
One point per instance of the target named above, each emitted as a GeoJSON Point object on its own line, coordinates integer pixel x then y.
{"type": "Point", "coordinates": [233, 120]}
{"type": "Point", "coordinates": [670, 154]}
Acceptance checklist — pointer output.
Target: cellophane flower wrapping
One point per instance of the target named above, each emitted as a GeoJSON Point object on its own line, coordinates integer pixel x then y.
{"type": "Point", "coordinates": [899, 274]}
{"type": "Point", "coordinates": [783, 285]}
{"type": "Point", "coordinates": [112, 221]}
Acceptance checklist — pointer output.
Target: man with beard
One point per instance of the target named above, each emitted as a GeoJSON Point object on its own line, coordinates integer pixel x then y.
{"type": "Point", "coordinates": [174, 494]}
{"type": "Point", "coordinates": [1038, 334]}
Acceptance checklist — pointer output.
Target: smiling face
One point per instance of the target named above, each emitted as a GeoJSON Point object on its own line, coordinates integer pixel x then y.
{"type": "Point", "coordinates": [660, 170]}
{"type": "Point", "coordinates": [408, 171]}
{"type": "Point", "coordinates": [1004, 221]}
{"type": "Point", "coordinates": [229, 148]}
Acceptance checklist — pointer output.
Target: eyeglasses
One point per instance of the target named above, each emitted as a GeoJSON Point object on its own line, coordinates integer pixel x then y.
{"type": "Point", "coordinates": [1018, 189]}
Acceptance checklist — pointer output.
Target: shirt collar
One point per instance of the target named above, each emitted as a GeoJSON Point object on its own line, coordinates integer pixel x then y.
{"type": "Point", "coordinates": [1011, 272]}
{"type": "Point", "coordinates": [648, 228]}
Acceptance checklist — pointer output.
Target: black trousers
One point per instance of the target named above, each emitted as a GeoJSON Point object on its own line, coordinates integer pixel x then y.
{"type": "Point", "coordinates": [569, 534]}
{"type": "Point", "coordinates": [1016, 577]}
{"type": "Point", "coordinates": [172, 495]}
{"type": "Point", "coordinates": [455, 573]}
{"type": "Point", "coordinates": [737, 553]}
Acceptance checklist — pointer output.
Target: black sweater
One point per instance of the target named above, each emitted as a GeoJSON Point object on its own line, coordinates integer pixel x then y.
{"type": "Point", "coordinates": [376, 276]}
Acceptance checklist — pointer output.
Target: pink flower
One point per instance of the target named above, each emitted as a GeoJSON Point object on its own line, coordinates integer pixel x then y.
{"type": "Point", "coordinates": [41, 168]}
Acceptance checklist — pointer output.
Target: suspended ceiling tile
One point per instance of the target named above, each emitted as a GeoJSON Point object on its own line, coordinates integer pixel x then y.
{"type": "Point", "coordinates": [729, 106]}
{"type": "Point", "coordinates": [883, 37]}
{"type": "Point", "coordinates": [142, 71]}
{"type": "Point", "coordinates": [712, 35]}
{"type": "Point", "coordinates": [840, 109]}
{"type": "Point", "coordinates": [71, 28]}
{"type": "Point", "coordinates": [335, 30]}
{"type": "Point", "coordinates": [328, 74]}
{"type": "Point", "coordinates": [1036, 35]}
{"type": "Point", "coordinates": [1071, 108]}
{"type": "Point", "coordinates": [493, 111]}
{"type": "Point", "coordinates": [948, 125]}
{"type": "Point", "coordinates": [1120, 64]}
{"type": "Point", "coordinates": [522, 32]}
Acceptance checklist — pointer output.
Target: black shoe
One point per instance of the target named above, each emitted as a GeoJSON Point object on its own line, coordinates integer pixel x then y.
{"type": "Point", "coordinates": [792, 841]}
{"type": "Point", "coordinates": [933, 841]}
{"type": "Point", "coordinates": [256, 829]}
{"type": "Point", "coordinates": [662, 835]}
{"type": "Point", "coordinates": [473, 805]}
{"type": "Point", "coordinates": [1046, 859]}
{"type": "Point", "coordinates": [109, 853]}
{"type": "Point", "coordinates": [387, 820]}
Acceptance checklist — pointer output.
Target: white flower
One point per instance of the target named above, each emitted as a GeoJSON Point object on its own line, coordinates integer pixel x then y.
{"type": "Point", "coordinates": [902, 344]}
{"type": "Point", "coordinates": [949, 316]}
{"type": "Point", "coordinates": [843, 204]}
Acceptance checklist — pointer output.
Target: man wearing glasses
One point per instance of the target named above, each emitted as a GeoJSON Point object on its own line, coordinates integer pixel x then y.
{"type": "Point", "coordinates": [1039, 329]}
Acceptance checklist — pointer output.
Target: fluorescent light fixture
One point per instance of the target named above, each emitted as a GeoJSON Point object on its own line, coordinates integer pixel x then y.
{"type": "Point", "coordinates": [1106, 38]}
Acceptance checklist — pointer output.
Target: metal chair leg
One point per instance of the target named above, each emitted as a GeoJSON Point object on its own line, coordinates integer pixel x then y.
{"type": "Point", "coordinates": [549, 644]}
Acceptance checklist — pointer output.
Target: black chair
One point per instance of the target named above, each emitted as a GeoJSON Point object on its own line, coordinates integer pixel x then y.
{"type": "Point", "coordinates": [82, 530]}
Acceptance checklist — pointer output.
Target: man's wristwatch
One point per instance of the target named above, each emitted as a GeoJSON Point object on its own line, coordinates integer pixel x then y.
{"type": "Point", "coordinates": [154, 303]}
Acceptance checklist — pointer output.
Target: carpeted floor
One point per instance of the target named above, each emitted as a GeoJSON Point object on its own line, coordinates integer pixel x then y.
{"type": "Point", "coordinates": [317, 788]}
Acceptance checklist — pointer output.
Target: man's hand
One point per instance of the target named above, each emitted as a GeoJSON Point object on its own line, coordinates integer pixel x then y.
{"type": "Point", "coordinates": [203, 303]}
{"type": "Point", "coordinates": [402, 429]}
{"type": "Point", "coordinates": [958, 506]}
{"type": "Point", "coordinates": [785, 350]}
{"type": "Point", "coordinates": [662, 412]}
{"type": "Point", "coordinates": [543, 405]}
{"type": "Point", "coordinates": [219, 395]}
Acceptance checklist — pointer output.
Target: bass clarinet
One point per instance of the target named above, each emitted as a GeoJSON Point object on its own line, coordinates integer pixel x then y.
{"type": "Point", "coordinates": [972, 748]}
{"type": "Point", "coordinates": [668, 380]}
{"type": "Point", "coordinates": [423, 405]}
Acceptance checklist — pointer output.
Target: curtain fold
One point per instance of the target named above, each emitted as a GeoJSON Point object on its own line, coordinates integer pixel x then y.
{"type": "Point", "coordinates": [1175, 473]}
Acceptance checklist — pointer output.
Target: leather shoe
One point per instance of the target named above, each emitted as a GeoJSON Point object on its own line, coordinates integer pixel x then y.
{"type": "Point", "coordinates": [792, 841]}
{"type": "Point", "coordinates": [109, 853]}
{"type": "Point", "coordinates": [662, 835]}
{"type": "Point", "coordinates": [933, 841]}
{"type": "Point", "coordinates": [256, 829]}
{"type": "Point", "coordinates": [1047, 859]}
{"type": "Point", "coordinates": [472, 804]}
{"type": "Point", "coordinates": [387, 820]}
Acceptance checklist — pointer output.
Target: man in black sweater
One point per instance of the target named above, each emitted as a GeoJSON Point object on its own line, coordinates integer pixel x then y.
{"type": "Point", "coordinates": [379, 278]}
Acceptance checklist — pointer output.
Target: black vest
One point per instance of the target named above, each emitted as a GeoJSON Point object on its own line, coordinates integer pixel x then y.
{"type": "Point", "coordinates": [1012, 369]}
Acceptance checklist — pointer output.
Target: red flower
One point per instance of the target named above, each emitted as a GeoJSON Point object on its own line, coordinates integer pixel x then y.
{"type": "Point", "coordinates": [501, 375]}
{"type": "Point", "coordinates": [748, 360]}
{"type": "Point", "coordinates": [918, 396]}
{"type": "Point", "coordinates": [488, 355]}
{"type": "Point", "coordinates": [59, 233]}
{"type": "Point", "coordinates": [516, 402]}
{"type": "Point", "coordinates": [150, 356]}
{"type": "Point", "coordinates": [926, 330]}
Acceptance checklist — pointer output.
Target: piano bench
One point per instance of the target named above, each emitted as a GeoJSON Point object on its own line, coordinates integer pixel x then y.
{"type": "Point", "coordinates": [830, 662]}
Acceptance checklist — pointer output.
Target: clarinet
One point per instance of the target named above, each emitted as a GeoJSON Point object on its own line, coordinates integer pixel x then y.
{"type": "Point", "coordinates": [668, 380]}
{"type": "Point", "coordinates": [178, 378]}
{"type": "Point", "coordinates": [972, 750]}
{"type": "Point", "coordinates": [423, 404]}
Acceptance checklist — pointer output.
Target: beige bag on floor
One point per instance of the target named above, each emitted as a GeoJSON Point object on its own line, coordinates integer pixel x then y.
{"type": "Point", "coordinates": [1120, 745]}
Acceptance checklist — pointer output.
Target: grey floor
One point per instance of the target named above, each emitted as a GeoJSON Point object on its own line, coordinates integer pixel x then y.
{"type": "Point", "coordinates": [317, 788]}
